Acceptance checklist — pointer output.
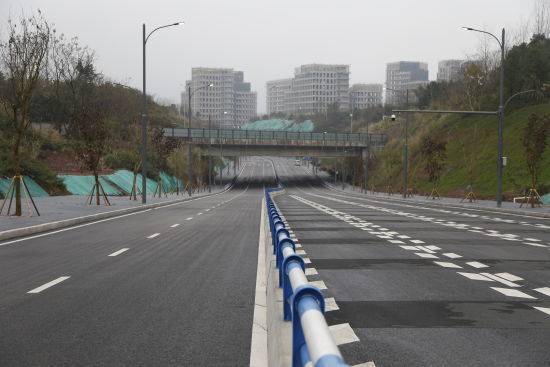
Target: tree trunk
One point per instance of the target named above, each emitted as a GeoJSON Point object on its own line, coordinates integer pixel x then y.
{"type": "Point", "coordinates": [96, 176]}
{"type": "Point", "coordinates": [17, 179]}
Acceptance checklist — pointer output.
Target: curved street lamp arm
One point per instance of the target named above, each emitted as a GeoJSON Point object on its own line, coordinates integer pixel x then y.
{"type": "Point", "coordinates": [517, 94]}
{"type": "Point", "coordinates": [199, 88]}
{"type": "Point", "coordinates": [482, 31]}
{"type": "Point", "coordinates": [163, 26]}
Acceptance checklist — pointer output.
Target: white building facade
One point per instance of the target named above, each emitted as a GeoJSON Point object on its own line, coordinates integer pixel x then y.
{"type": "Point", "coordinates": [229, 103]}
{"type": "Point", "coordinates": [364, 96]}
{"type": "Point", "coordinates": [449, 70]}
{"type": "Point", "coordinates": [403, 75]}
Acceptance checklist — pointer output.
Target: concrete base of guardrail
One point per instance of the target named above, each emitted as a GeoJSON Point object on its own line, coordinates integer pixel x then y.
{"type": "Point", "coordinates": [279, 332]}
{"type": "Point", "coordinates": [52, 226]}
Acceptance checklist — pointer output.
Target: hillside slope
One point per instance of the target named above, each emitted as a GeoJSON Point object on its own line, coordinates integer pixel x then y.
{"type": "Point", "coordinates": [471, 154]}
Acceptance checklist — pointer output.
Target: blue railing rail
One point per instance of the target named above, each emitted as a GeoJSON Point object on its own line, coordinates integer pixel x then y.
{"type": "Point", "coordinates": [304, 305]}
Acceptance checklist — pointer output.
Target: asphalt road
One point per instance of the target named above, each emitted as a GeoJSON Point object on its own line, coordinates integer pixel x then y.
{"type": "Point", "coordinates": [167, 287]}
{"type": "Point", "coordinates": [425, 285]}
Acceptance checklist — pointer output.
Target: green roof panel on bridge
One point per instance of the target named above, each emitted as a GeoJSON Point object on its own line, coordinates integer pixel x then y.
{"type": "Point", "coordinates": [279, 125]}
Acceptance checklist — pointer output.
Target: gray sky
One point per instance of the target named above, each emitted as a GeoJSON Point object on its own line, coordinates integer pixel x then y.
{"type": "Point", "coordinates": [268, 38]}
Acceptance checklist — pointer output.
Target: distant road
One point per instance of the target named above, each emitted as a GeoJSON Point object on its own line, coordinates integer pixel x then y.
{"type": "Point", "coordinates": [167, 287]}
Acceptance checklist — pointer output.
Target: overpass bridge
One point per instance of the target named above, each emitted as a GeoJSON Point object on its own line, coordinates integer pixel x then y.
{"type": "Point", "coordinates": [237, 142]}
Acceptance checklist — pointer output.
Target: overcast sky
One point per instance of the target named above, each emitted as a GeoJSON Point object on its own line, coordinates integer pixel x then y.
{"type": "Point", "coordinates": [268, 38]}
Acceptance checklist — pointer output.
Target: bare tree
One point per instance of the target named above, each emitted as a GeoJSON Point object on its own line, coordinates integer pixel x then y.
{"type": "Point", "coordinates": [434, 153]}
{"type": "Point", "coordinates": [541, 17]}
{"type": "Point", "coordinates": [534, 143]}
{"type": "Point", "coordinates": [22, 58]}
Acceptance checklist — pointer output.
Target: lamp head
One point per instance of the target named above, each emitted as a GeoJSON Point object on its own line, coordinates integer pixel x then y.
{"type": "Point", "coordinates": [393, 117]}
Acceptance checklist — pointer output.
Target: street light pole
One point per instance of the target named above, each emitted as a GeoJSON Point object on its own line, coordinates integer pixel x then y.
{"type": "Point", "coordinates": [502, 44]}
{"type": "Point", "coordinates": [209, 155]}
{"type": "Point", "coordinates": [144, 112]}
{"type": "Point", "coordinates": [406, 145]}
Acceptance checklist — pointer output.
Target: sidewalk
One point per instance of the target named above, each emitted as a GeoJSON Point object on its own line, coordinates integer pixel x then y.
{"type": "Point", "coordinates": [57, 208]}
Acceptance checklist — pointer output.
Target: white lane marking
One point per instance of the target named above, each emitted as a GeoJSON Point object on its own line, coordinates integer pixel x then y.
{"type": "Point", "coordinates": [318, 284]}
{"type": "Point", "coordinates": [174, 225]}
{"type": "Point", "coordinates": [434, 248]}
{"type": "Point", "coordinates": [300, 252]}
{"type": "Point", "coordinates": [311, 271]}
{"type": "Point", "coordinates": [417, 241]}
{"type": "Point", "coordinates": [501, 280]}
{"type": "Point", "coordinates": [544, 290]}
{"type": "Point", "coordinates": [395, 241]}
{"type": "Point", "coordinates": [477, 264]}
{"type": "Point", "coordinates": [297, 245]}
{"type": "Point", "coordinates": [448, 264]}
{"type": "Point", "coordinates": [531, 239]}
{"type": "Point", "coordinates": [512, 293]}
{"type": "Point", "coordinates": [426, 256]}
{"type": "Point", "coordinates": [116, 253]}
{"type": "Point", "coordinates": [425, 249]}
{"type": "Point", "coordinates": [49, 284]}
{"type": "Point", "coordinates": [189, 218]}
{"type": "Point", "coordinates": [508, 276]}
{"type": "Point", "coordinates": [475, 276]}
{"type": "Point", "coordinates": [410, 248]}
{"type": "Point", "coordinates": [534, 244]}
{"type": "Point", "coordinates": [199, 213]}
{"type": "Point", "coordinates": [403, 236]}
{"type": "Point", "coordinates": [307, 260]}
{"type": "Point", "coordinates": [153, 235]}
{"type": "Point", "coordinates": [207, 210]}
{"type": "Point", "coordinates": [343, 334]}
{"type": "Point", "coordinates": [452, 255]}
{"type": "Point", "coordinates": [331, 305]}
{"type": "Point", "coordinates": [543, 309]}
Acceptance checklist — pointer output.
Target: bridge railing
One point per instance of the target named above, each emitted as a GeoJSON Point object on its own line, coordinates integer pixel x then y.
{"type": "Point", "coordinates": [238, 134]}
{"type": "Point", "coordinates": [304, 305]}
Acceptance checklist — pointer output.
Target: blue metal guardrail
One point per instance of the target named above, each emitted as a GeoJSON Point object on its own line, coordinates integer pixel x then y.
{"type": "Point", "coordinates": [304, 305]}
{"type": "Point", "coordinates": [275, 135]}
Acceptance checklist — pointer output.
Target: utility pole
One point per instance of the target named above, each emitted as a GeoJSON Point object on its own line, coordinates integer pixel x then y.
{"type": "Point", "coordinates": [406, 150]}
{"type": "Point", "coordinates": [144, 129]}
{"type": "Point", "coordinates": [189, 152]}
{"type": "Point", "coordinates": [209, 155]}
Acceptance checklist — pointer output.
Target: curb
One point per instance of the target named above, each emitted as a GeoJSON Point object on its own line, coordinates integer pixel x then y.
{"type": "Point", "coordinates": [46, 227]}
{"type": "Point", "coordinates": [477, 207]}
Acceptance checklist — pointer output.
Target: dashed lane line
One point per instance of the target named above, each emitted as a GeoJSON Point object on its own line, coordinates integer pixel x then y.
{"type": "Point", "coordinates": [174, 225]}
{"type": "Point", "coordinates": [49, 284]}
{"type": "Point", "coordinates": [153, 235]}
{"type": "Point", "coordinates": [116, 253]}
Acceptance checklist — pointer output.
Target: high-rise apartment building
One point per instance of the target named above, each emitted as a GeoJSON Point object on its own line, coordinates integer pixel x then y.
{"type": "Point", "coordinates": [313, 88]}
{"type": "Point", "coordinates": [363, 96]}
{"type": "Point", "coordinates": [403, 75]}
{"type": "Point", "coordinates": [278, 95]}
{"type": "Point", "coordinates": [229, 101]}
{"type": "Point", "coordinates": [449, 70]}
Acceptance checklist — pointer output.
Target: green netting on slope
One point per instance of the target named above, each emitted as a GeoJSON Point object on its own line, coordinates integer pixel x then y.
{"type": "Point", "coordinates": [170, 183]}
{"type": "Point", "coordinates": [280, 125]}
{"type": "Point", "coordinates": [35, 189]}
{"type": "Point", "coordinates": [82, 185]}
{"type": "Point", "coordinates": [546, 199]}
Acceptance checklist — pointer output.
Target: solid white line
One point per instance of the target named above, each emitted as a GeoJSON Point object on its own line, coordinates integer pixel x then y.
{"type": "Point", "coordinates": [153, 235]}
{"type": "Point", "coordinates": [70, 228]}
{"type": "Point", "coordinates": [513, 293]}
{"type": "Point", "coordinates": [48, 285]}
{"type": "Point", "coordinates": [116, 253]}
{"type": "Point", "coordinates": [189, 218]}
{"type": "Point", "coordinates": [174, 225]}
{"type": "Point", "coordinates": [544, 290]}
